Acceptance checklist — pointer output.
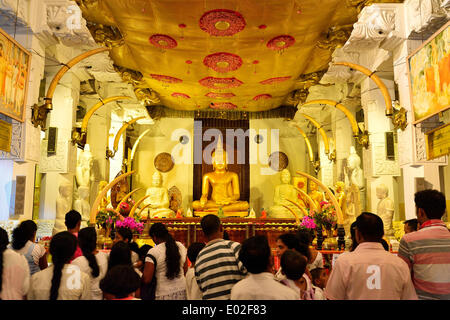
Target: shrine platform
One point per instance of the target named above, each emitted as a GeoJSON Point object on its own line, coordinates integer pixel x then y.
{"type": "Point", "coordinates": [188, 230]}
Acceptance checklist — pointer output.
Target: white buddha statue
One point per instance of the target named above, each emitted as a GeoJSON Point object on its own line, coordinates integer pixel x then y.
{"type": "Point", "coordinates": [82, 205]}
{"type": "Point", "coordinates": [158, 199]}
{"type": "Point", "coordinates": [84, 174]}
{"type": "Point", "coordinates": [385, 209]}
{"type": "Point", "coordinates": [63, 205]}
{"type": "Point", "coordinates": [354, 181]}
{"type": "Point", "coordinates": [284, 192]}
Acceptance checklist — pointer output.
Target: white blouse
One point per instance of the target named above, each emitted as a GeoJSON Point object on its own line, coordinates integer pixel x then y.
{"type": "Point", "coordinates": [102, 260]}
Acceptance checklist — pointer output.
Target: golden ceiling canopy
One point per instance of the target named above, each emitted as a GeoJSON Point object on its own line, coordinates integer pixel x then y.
{"type": "Point", "coordinates": [242, 55]}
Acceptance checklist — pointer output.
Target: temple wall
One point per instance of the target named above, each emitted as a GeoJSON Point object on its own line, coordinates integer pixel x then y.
{"type": "Point", "coordinates": [262, 179]}
{"type": "Point", "coordinates": [159, 140]}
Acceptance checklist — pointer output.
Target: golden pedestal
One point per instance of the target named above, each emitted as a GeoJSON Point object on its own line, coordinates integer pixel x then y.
{"type": "Point", "coordinates": [226, 214]}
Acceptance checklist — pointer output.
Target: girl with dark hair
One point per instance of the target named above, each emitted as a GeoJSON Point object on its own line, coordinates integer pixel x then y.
{"type": "Point", "coordinates": [170, 257]}
{"type": "Point", "coordinates": [120, 254]}
{"type": "Point", "coordinates": [14, 272]}
{"type": "Point", "coordinates": [120, 283]}
{"type": "Point", "coordinates": [23, 238]}
{"type": "Point", "coordinates": [290, 241]}
{"type": "Point", "coordinates": [61, 280]}
{"type": "Point", "coordinates": [92, 262]}
{"type": "Point", "coordinates": [125, 235]}
{"type": "Point", "coordinates": [306, 236]}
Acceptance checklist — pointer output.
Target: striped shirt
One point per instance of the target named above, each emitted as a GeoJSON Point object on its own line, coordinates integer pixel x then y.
{"type": "Point", "coordinates": [427, 253]}
{"type": "Point", "coordinates": [218, 268]}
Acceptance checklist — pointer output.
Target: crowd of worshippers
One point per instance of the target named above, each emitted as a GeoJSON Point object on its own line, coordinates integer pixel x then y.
{"type": "Point", "coordinates": [221, 269]}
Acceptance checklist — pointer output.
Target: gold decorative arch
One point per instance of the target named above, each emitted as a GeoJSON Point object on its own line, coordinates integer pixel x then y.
{"type": "Point", "coordinates": [340, 217]}
{"type": "Point", "coordinates": [136, 143]}
{"type": "Point", "coordinates": [94, 208]}
{"type": "Point", "coordinates": [308, 143]}
{"type": "Point", "coordinates": [361, 137]}
{"type": "Point", "coordinates": [321, 131]}
{"type": "Point", "coordinates": [137, 204]}
{"type": "Point", "coordinates": [378, 82]}
{"type": "Point", "coordinates": [78, 137]}
{"type": "Point", "coordinates": [297, 218]}
{"type": "Point", "coordinates": [109, 153]}
{"type": "Point", "coordinates": [126, 197]}
{"type": "Point", "coordinates": [311, 202]}
{"type": "Point", "coordinates": [43, 110]}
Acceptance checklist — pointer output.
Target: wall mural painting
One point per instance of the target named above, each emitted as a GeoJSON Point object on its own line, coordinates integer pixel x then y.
{"type": "Point", "coordinates": [429, 75]}
{"type": "Point", "coordinates": [14, 70]}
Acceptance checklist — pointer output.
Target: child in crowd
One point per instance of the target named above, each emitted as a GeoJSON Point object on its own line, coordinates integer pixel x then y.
{"type": "Point", "coordinates": [193, 292]}
{"type": "Point", "coordinates": [120, 283]}
{"type": "Point", "coordinates": [293, 266]}
{"type": "Point", "coordinates": [319, 282]}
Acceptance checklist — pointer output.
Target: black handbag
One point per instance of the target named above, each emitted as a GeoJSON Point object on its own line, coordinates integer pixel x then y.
{"type": "Point", "coordinates": [148, 290]}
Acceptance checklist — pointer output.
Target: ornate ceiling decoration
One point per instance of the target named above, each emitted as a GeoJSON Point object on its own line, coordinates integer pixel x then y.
{"type": "Point", "coordinates": [224, 55]}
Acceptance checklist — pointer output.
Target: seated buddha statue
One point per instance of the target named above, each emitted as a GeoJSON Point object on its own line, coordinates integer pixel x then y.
{"type": "Point", "coordinates": [225, 189]}
{"type": "Point", "coordinates": [315, 194]}
{"type": "Point", "coordinates": [158, 199]}
{"type": "Point", "coordinates": [283, 193]}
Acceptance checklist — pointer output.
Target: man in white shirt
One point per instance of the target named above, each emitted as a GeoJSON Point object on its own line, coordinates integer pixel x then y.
{"type": "Point", "coordinates": [370, 272]}
{"type": "Point", "coordinates": [260, 284]}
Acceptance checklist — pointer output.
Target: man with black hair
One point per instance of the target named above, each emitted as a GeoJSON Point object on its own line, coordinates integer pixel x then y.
{"type": "Point", "coordinates": [411, 225]}
{"type": "Point", "coordinates": [73, 225]}
{"type": "Point", "coordinates": [427, 251]}
{"type": "Point", "coordinates": [260, 284]}
{"type": "Point", "coordinates": [217, 267]}
{"type": "Point", "coordinates": [369, 272]}
{"type": "Point", "coordinates": [192, 290]}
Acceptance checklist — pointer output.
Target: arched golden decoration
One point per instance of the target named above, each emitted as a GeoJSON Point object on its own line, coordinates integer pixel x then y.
{"type": "Point", "coordinates": [340, 218]}
{"type": "Point", "coordinates": [311, 202]}
{"type": "Point", "coordinates": [94, 208]}
{"type": "Point", "coordinates": [136, 143]}
{"type": "Point", "coordinates": [40, 112]}
{"type": "Point", "coordinates": [322, 132]}
{"type": "Point", "coordinates": [126, 197]}
{"type": "Point", "coordinates": [297, 218]}
{"type": "Point", "coordinates": [376, 79]}
{"type": "Point", "coordinates": [142, 209]}
{"type": "Point", "coordinates": [137, 204]}
{"type": "Point", "coordinates": [308, 143]}
{"type": "Point", "coordinates": [78, 137]}
{"type": "Point", "coordinates": [361, 137]}
{"type": "Point", "coordinates": [305, 213]}
{"type": "Point", "coordinates": [109, 153]}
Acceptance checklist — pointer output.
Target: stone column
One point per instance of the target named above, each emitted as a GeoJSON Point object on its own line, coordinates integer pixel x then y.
{"type": "Point", "coordinates": [60, 168]}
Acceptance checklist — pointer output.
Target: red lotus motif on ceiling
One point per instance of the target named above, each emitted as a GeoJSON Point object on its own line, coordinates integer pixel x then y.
{"type": "Point", "coordinates": [162, 41]}
{"type": "Point", "coordinates": [164, 78]}
{"type": "Point", "coordinates": [220, 95]}
{"type": "Point", "coordinates": [275, 80]}
{"type": "Point", "coordinates": [281, 42]}
{"type": "Point", "coordinates": [262, 97]}
{"type": "Point", "coordinates": [222, 22]}
{"type": "Point", "coordinates": [220, 83]}
{"type": "Point", "coordinates": [224, 106]}
{"type": "Point", "coordinates": [180, 95]}
{"type": "Point", "coordinates": [223, 62]}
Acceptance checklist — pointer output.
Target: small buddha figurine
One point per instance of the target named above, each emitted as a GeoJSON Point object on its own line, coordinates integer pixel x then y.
{"type": "Point", "coordinates": [341, 196]}
{"type": "Point", "coordinates": [385, 209]}
{"type": "Point", "coordinates": [104, 202]}
{"type": "Point", "coordinates": [158, 199]}
{"type": "Point", "coordinates": [225, 187]}
{"type": "Point", "coordinates": [315, 194]}
{"type": "Point", "coordinates": [283, 193]}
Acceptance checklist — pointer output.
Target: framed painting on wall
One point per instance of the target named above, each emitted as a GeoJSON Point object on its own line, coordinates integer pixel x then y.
{"type": "Point", "coordinates": [429, 76]}
{"type": "Point", "coordinates": [14, 71]}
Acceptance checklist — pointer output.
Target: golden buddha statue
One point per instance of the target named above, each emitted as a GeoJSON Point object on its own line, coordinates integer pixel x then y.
{"type": "Point", "coordinates": [284, 193]}
{"type": "Point", "coordinates": [105, 200]}
{"type": "Point", "coordinates": [315, 194]}
{"type": "Point", "coordinates": [341, 197]}
{"type": "Point", "coordinates": [225, 189]}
